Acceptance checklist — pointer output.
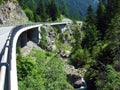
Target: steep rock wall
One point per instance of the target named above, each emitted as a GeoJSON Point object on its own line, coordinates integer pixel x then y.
{"type": "Point", "coordinates": [11, 14]}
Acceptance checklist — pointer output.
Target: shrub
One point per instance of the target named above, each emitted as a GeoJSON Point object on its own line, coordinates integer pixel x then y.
{"type": "Point", "coordinates": [25, 67]}
{"type": "Point", "coordinates": [78, 58]}
{"type": "Point", "coordinates": [29, 14]}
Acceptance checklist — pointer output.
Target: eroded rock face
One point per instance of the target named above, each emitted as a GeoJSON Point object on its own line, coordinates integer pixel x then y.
{"type": "Point", "coordinates": [11, 13]}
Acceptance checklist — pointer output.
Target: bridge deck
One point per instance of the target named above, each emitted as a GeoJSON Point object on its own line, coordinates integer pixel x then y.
{"type": "Point", "coordinates": [4, 32]}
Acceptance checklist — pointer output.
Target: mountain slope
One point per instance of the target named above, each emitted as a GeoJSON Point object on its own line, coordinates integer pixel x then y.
{"type": "Point", "coordinates": [79, 7]}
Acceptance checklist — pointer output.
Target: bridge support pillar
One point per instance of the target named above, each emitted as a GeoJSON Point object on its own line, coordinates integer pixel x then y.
{"type": "Point", "coordinates": [22, 41]}
{"type": "Point", "coordinates": [39, 35]}
{"type": "Point", "coordinates": [33, 35]}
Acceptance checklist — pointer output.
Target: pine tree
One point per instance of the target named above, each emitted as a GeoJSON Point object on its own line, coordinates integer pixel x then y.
{"type": "Point", "coordinates": [90, 18]}
{"type": "Point", "coordinates": [32, 5]}
{"type": "Point", "coordinates": [91, 32]}
{"type": "Point", "coordinates": [101, 19]}
{"type": "Point", "coordinates": [112, 79]}
{"type": "Point", "coordinates": [41, 10]}
{"type": "Point", "coordinates": [53, 10]}
{"type": "Point", "coordinates": [113, 31]}
{"type": "Point", "coordinates": [113, 7]}
{"type": "Point", "coordinates": [91, 38]}
{"type": "Point", "coordinates": [22, 3]}
{"type": "Point", "coordinates": [113, 34]}
{"type": "Point", "coordinates": [64, 8]}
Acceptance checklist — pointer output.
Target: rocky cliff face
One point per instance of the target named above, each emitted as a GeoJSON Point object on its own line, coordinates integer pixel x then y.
{"type": "Point", "coordinates": [12, 14]}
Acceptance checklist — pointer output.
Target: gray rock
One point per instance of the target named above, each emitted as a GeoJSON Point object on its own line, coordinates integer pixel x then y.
{"type": "Point", "coordinates": [12, 14]}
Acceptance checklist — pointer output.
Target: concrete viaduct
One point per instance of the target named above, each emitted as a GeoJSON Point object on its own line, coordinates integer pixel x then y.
{"type": "Point", "coordinates": [18, 35]}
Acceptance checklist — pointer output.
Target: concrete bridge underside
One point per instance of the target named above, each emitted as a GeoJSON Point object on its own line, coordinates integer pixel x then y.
{"type": "Point", "coordinates": [29, 35]}
{"type": "Point", "coordinates": [34, 33]}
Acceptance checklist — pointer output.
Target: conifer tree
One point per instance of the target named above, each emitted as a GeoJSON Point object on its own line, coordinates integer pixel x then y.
{"type": "Point", "coordinates": [32, 5]}
{"type": "Point", "coordinates": [64, 8]}
{"type": "Point", "coordinates": [113, 7]}
{"type": "Point", "coordinates": [91, 37]}
{"type": "Point", "coordinates": [90, 19]}
{"type": "Point", "coordinates": [114, 29]}
{"type": "Point", "coordinates": [41, 10]}
{"type": "Point", "coordinates": [91, 32]}
{"type": "Point", "coordinates": [101, 19]}
{"type": "Point", "coordinates": [113, 35]}
{"type": "Point", "coordinates": [53, 10]}
{"type": "Point", "coordinates": [22, 3]}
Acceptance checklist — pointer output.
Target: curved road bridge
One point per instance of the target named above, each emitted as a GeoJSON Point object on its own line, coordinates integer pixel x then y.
{"type": "Point", "coordinates": [9, 37]}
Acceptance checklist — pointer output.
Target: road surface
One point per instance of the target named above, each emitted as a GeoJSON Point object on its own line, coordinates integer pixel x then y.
{"type": "Point", "coordinates": [4, 33]}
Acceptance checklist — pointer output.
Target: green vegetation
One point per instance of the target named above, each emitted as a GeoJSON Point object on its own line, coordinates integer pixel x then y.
{"type": "Point", "coordinates": [43, 42]}
{"type": "Point", "coordinates": [98, 50]}
{"type": "Point", "coordinates": [44, 72]}
{"type": "Point", "coordinates": [95, 47]}
{"type": "Point", "coordinates": [50, 10]}
{"type": "Point", "coordinates": [2, 1]}
{"type": "Point", "coordinates": [102, 42]}
{"type": "Point", "coordinates": [42, 11]}
{"type": "Point", "coordinates": [101, 19]}
{"type": "Point", "coordinates": [62, 46]}
{"type": "Point", "coordinates": [63, 41]}
{"type": "Point", "coordinates": [29, 14]}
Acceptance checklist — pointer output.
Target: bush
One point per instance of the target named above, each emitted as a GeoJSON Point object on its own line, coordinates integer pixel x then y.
{"type": "Point", "coordinates": [29, 14]}
{"type": "Point", "coordinates": [55, 76]}
{"type": "Point", "coordinates": [25, 67]}
{"type": "Point", "coordinates": [112, 79]}
{"type": "Point", "coordinates": [108, 54]}
{"type": "Point", "coordinates": [48, 73]}
{"type": "Point", "coordinates": [37, 18]}
{"type": "Point", "coordinates": [79, 58]}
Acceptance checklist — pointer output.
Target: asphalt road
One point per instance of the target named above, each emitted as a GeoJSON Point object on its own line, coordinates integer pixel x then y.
{"type": "Point", "coordinates": [4, 33]}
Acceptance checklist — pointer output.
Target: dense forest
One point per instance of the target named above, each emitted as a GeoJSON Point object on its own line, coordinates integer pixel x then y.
{"type": "Point", "coordinates": [75, 9]}
{"type": "Point", "coordinates": [43, 11]}
{"type": "Point", "coordinates": [96, 48]}
{"type": "Point", "coordinates": [68, 8]}
{"type": "Point", "coordinates": [102, 37]}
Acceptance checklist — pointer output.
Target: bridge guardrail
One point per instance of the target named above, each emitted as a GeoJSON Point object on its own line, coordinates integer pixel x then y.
{"type": "Point", "coordinates": [3, 64]}
{"type": "Point", "coordinates": [8, 49]}
{"type": "Point", "coordinates": [4, 25]}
